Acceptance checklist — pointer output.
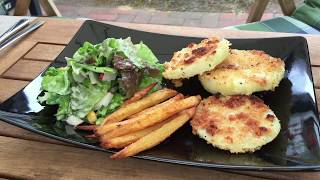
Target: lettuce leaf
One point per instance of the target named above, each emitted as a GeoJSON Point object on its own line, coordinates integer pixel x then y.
{"type": "Point", "coordinates": [96, 55]}
{"type": "Point", "coordinates": [56, 80]}
{"type": "Point", "coordinates": [63, 101]}
{"type": "Point", "coordinates": [85, 96]}
{"type": "Point", "coordinates": [64, 109]}
{"type": "Point", "coordinates": [85, 53]}
{"type": "Point", "coordinates": [140, 55]}
{"type": "Point", "coordinates": [71, 89]}
{"type": "Point", "coordinates": [117, 101]}
{"type": "Point", "coordinates": [147, 80]}
{"type": "Point", "coordinates": [50, 98]}
{"type": "Point", "coordinates": [145, 53]}
{"type": "Point", "coordinates": [57, 84]}
{"type": "Point", "coordinates": [77, 68]}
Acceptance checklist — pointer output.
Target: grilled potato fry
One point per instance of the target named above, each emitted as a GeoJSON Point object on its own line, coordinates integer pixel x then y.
{"type": "Point", "coordinates": [157, 136]}
{"type": "Point", "coordinates": [135, 107]}
{"type": "Point", "coordinates": [87, 127]}
{"type": "Point", "coordinates": [123, 141]}
{"type": "Point", "coordinates": [112, 126]}
{"type": "Point", "coordinates": [166, 103]}
{"type": "Point", "coordinates": [159, 114]}
{"type": "Point", "coordinates": [138, 95]}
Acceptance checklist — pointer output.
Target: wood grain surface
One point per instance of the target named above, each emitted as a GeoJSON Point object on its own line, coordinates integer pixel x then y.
{"type": "Point", "coordinates": [25, 70]}
{"type": "Point", "coordinates": [24, 154]}
{"type": "Point", "coordinates": [58, 161]}
{"type": "Point", "coordinates": [51, 50]}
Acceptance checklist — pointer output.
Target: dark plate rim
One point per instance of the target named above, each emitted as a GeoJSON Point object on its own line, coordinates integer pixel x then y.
{"type": "Point", "coordinates": [166, 160]}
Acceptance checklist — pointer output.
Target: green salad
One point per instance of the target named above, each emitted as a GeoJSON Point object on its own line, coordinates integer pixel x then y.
{"type": "Point", "coordinates": [98, 79]}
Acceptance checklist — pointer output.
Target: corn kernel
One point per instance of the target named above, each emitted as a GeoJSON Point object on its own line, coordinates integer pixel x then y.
{"type": "Point", "coordinates": [92, 117]}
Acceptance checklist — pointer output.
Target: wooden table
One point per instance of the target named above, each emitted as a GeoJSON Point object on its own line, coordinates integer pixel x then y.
{"type": "Point", "coordinates": [24, 154]}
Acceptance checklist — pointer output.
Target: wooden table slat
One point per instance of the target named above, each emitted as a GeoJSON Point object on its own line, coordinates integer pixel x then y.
{"type": "Point", "coordinates": [318, 97]}
{"type": "Point", "coordinates": [43, 161]}
{"type": "Point", "coordinates": [44, 52]}
{"type": "Point", "coordinates": [316, 76]}
{"type": "Point", "coordinates": [56, 31]}
{"type": "Point", "coordinates": [13, 54]}
{"type": "Point", "coordinates": [9, 130]}
{"type": "Point", "coordinates": [94, 164]}
{"type": "Point", "coordinates": [9, 87]}
{"type": "Point", "coordinates": [26, 70]}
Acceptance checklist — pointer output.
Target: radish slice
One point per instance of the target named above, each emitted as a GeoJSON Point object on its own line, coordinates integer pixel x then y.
{"type": "Point", "coordinates": [104, 101]}
{"type": "Point", "coordinates": [74, 121]}
{"type": "Point", "coordinates": [101, 76]}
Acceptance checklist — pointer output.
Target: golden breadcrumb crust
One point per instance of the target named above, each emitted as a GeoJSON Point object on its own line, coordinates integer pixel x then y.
{"type": "Point", "coordinates": [236, 123]}
{"type": "Point", "coordinates": [196, 58]}
{"type": "Point", "coordinates": [244, 72]}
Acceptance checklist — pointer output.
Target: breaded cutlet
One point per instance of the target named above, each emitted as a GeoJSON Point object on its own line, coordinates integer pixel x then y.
{"type": "Point", "coordinates": [244, 72]}
{"type": "Point", "coordinates": [236, 123]}
{"type": "Point", "coordinates": [197, 58]}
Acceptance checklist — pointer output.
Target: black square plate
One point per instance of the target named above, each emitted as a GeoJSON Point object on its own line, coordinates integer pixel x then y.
{"type": "Point", "coordinates": [297, 147]}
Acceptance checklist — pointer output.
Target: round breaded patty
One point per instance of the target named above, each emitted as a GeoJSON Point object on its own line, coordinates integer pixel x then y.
{"type": "Point", "coordinates": [196, 58]}
{"type": "Point", "coordinates": [244, 72]}
{"type": "Point", "coordinates": [236, 123]}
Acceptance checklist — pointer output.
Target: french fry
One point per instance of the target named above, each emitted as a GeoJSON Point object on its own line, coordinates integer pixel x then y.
{"type": "Point", "coordinates": [91, 136]}
{"type": "Point", "coordinates": [112, 126]}
{"type": "Point", "coordinates": [87, 127]}
{"type": "Point", "coordinates": [140, 94]}
{"type": "Point", "coordinates": [133, 108]}
{"type": "Point", "coordinates": [146, 120]}
{"type": "Point", "coordinates": [123, 141]}
{"type": "Point", "coordinates": [166, 103]}
{"type": "Point", "coordinates": [107, 128]}
{"type": "Point", "coordinates": [157, 136]}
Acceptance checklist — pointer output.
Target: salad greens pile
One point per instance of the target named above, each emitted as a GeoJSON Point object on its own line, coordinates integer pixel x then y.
{"type": "Point", "coordinates": [98, 78]}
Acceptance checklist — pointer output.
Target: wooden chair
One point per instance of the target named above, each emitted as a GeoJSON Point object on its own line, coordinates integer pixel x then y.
{"type": "Point", "coordinates": [49, 7]}
{"type": "Point", "coordinates": [259, 6]}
